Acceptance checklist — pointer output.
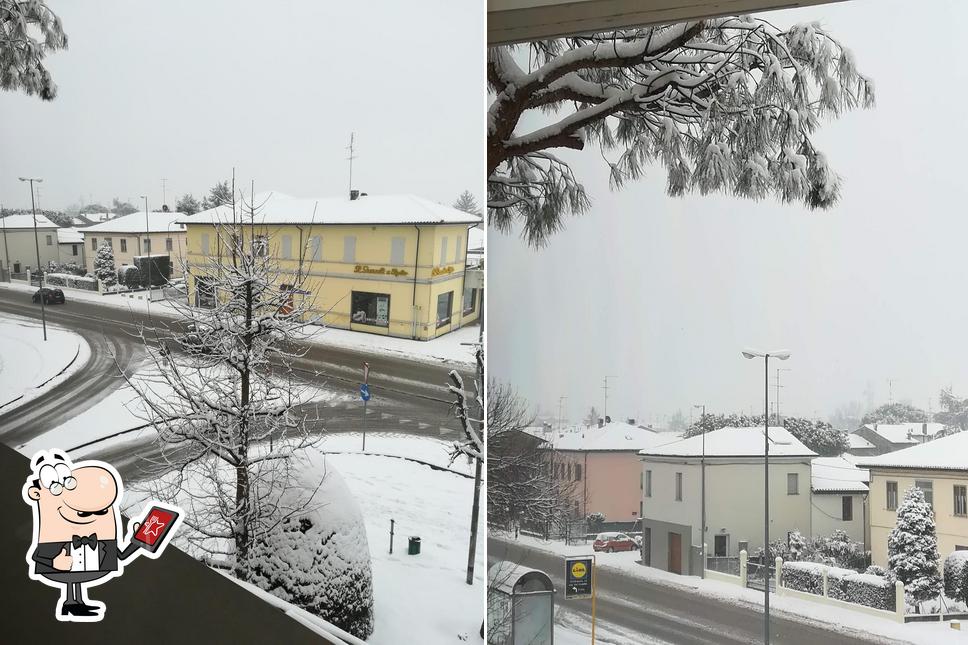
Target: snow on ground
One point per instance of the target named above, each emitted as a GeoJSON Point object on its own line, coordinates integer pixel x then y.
{"type": "Point", "coordinates": [29, 365]}
{"type": "Point", "coordinates": [625, 563]}
{"type": "Point", "coordinates": [446, 349]}
{"type": "Point", "coordinates": [576, 629]}
{"type": "Point", "coordinates": [131, 301]}
{"type": "Point", "coordinates": [123, 410]}
{"type": "Point", "coordinates": [427, 449]}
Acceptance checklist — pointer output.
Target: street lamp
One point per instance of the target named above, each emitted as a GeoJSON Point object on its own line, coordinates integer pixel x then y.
{"type": "Point", "coordinates": [33, 208]}
{"type": "Point", "coordinates": [702, 485]}
{"type": "Point", "coordinates": [781, 354]}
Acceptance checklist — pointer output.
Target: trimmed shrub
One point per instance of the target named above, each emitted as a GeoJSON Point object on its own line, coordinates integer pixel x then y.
{"type": "Point", "coordinates": [836, 583]}
{"type": "Point", "coordinates": [869, 590]}
{"type": "Point", "coordinates": [130, 276]}
{"type": "Point", "coordinates": [803, 576]}
{"type": "Point", "coordinates": [954, 566]}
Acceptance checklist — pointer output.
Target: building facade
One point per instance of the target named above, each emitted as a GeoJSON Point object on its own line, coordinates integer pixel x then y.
{"type": "Point", "coordinates": [130, 236]}
{"type": "Point", "coordinates": [888, 437]}
{"type": "Point", "coordinates": [940, 469]}
{"type": "Point", "coordinates": [70, 247]}
{"type": "Point", "coordinates": [839, 499]}
{"type": "Point", "coordinates": [18, 247]}
{"type": "Point", "coordinates": [389, 265]}
{"type": "Point", "coordinates": [672, 495]}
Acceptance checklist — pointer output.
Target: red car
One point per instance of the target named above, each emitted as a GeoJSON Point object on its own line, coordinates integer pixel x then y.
{"type": "Point", "coordinates": [609, 542]}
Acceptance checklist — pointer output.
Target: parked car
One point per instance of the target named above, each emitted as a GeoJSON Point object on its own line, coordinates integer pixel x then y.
{"type": "Point", "coordinates": [609, 542]}
{"type": "Point", "coordinates": [50, 296]}
{"type": "Point", "coordinates": [191, 341]}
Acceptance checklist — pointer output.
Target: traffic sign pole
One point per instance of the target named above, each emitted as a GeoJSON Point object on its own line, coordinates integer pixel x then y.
{"type": "Point", "coordinates": [594, 582]}
{"type": "Point", "coordinates": [365, 395]}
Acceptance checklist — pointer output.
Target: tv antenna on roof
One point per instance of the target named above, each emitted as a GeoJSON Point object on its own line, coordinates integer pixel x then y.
{"type": "Point", "coordinates": [352, 156]}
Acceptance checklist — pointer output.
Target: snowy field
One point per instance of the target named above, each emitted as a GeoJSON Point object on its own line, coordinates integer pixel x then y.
{"type": "Point", "coordinates": [446, 349]}
{"type": "Point", "coordinates": [793, 608]}
{"type": "Point", "coordinates": [576, 629]}
{"type": "Point", "coordinates": [29, 366]}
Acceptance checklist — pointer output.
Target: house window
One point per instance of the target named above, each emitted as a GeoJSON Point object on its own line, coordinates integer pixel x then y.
{"type": "Point", "coordinates": [349, 248]}
{"type": "Point", "coordinates": [470, 301]}
{"type": "Point", "coordinates": [398, 247]}
{"type": "Point", "coordinates": [648, 483]}
{"type": "Point", "coordinates": [568, 470]}
{"type": "Point", "coordinates": [577, 472]}
{"type": "Point", "coordinates": [371, 308]}
{"type": "Point", "coordinates": [961, 501]}
{"type": "Point", "coordinates": [147, 245]}
{"type": "Point", "coordinates": [445, 304]}
{"type": "Point", "coordinates": [50, 240]}
{"type": "Point", "coordinates": [286, 247]}
{"type": "Point", "coordinates": [204, 242]}
{"type": "Point", "coordinates": [316, 248]}
{"type": "Point", "coordinates": [640, 508]}
{"type": "Point", "coordinates": [847, 504]}
{"type": "Point", "coordinates": [169, 245]}
{"type": "Point", "coordinates": [94, 244]}
{"type": "Point", "coordinates": [443, 250]}
{"type": "Point", "coordinates": [927, 487]}
{"type": "Point", "coordinates": [678, 487]}
{"type": "Point", "coordinates": [124, 245]}
{"type": "Point", "coordinates": [793, 483]}
{"type": "Point", "coordinates": [260, 246]}
{"type": "Point", "coordinates": [892, 496]}
{"type": "Point", "coordinates": [73, 249]}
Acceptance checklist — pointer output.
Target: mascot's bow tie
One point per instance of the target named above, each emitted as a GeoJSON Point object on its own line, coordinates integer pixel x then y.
{"type": "Point", "coordinates": [78, 540]}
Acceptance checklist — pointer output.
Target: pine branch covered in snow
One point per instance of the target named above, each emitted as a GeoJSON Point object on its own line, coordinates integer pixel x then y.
{"type": "Point", "coordinates": [29, 31]}
{"type": "Point", "coordinates": [912, 548]}
{"type": "Point", "coordinates": [725, 105]}
{"type": "Point", "coordinates": [230, 419]}
{"type": "Point", "coordinates": [104, 269]}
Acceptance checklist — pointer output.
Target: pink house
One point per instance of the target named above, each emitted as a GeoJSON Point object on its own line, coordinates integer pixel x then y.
{"type": "Point", "coordinates": [603, 466]}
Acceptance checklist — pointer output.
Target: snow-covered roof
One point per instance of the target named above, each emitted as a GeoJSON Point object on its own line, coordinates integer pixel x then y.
{"type": "Point", "coordinates": [857, 442]}
{"type": "Point", "coordinates": [475, 240]}
{"type": "Point", "coordinates": [945, 453]}
{"type": "Point", "coordinates": [69, 236]}
{"type": "Point", "coordinates": [26, 221]}
{"type": "Point", "coordinates": [276, 208]}
{"type": "Point", "coordinates": [734, 442]}
{"type": "Point", "coordinates": [837, 475]}
{"type": "Point", "coordinates": [902, 432]}
{"type": "Point", "coordinates": [615, 436]}
{"type": "Point", "coordinates": [135, 224]}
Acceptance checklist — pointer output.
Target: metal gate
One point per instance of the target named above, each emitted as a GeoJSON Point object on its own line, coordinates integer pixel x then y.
{"type": "Point", "coordinates": [756, 576]}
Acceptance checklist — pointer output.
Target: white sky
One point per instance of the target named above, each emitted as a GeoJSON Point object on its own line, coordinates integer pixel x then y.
{"type": "Point", "coordinates": [664, 293]}
{"type": "Point", "coordinates": [186, 90]}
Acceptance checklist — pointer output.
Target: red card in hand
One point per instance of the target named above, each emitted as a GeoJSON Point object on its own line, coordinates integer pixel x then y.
{"type": "Point", "coordinates": [155, 528]}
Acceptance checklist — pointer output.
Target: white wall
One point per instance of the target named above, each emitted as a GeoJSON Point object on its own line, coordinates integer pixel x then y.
{"type": "Point", "coordinates": [734, 499]}
{"type": "Point", "coordinates": [827, 512]}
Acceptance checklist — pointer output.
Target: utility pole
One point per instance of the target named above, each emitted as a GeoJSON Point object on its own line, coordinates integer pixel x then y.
{"type": "Point", "coordinates": [352, 156]}
{"type": "Point", "coordinates": [778, 386]}
{"type": "Point", "coordinates": [702, 485]}
{"type": "Point", "coordinates": [890, 390]}
{"type": "Point", "coordinates": [605, 405]}
{"type": "Point", "coordinates": [561, 400]}
{"type": "Point", "coordinates": [164, 192]}
{"type": "Point", "coordinates": [148, 249]}
{"type": "Point", "coordinates": [6, 251]}
{"type": "Point", "coordinates": [33, 208]}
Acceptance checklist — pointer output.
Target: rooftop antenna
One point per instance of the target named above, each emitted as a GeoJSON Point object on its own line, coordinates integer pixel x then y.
{"type": "Point", "coordinates": [164, 197]}
{"type": "Point", "coordinates": [352, 149]}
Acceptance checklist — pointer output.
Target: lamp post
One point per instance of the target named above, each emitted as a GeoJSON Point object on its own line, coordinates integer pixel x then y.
{"type": "Point", "coordinates": [148, 249]}
{"type": "Point", "coordinates": [702, 486]}
{"type": "Point", "coordinates": [781, 354]}
{"type": "Point", "coordinates": [33, 208]}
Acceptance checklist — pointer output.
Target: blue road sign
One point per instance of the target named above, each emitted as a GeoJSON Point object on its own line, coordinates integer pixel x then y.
{"type": "Point", "coordinates": [364, 391]}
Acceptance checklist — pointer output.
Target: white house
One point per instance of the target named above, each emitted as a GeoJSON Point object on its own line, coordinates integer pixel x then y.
{"type": "Point", "coordinates": [888, 437]}
{"type": "Point", "coordinates": [671, 496]}
{"type": "Point", "coordinates": [839, 498]}
{"type": "Point", "coordinates": [19, 247]}
{"type": "Point", "coordinates": [70, 246]}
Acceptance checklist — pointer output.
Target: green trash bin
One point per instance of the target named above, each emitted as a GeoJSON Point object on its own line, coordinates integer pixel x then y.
{"type": "Point", "coordinates": [413, 547]}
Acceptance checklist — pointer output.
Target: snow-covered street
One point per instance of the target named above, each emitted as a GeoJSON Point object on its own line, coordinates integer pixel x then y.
{"type": "Point", "coordinates": [29, 365]}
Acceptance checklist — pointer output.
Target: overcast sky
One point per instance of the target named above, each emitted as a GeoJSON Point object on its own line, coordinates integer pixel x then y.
{"type": "Point", "coordinates": [186, 90]}
{"type": "Point", "coordinates": [664, 293]}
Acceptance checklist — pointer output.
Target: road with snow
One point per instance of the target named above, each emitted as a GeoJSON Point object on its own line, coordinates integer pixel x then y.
{"type": "Point", "coordinates": [409, 397]}
{"type": "Point", "coordinates": [665, 613]}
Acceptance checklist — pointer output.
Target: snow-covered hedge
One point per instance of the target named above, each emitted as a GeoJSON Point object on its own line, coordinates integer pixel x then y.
{"type": "Point", "coordinates": [129, 275]}
{"type": "Point", "coordinates": [318, 559]}
{"type": "Point", "coordinates": [71, 281]}
{"type": "Point", "coordinates": [953, 566]}
{"type": "Point", "coordinates": [803, 576]}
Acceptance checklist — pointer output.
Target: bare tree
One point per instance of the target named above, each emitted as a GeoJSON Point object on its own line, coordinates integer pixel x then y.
{"type": "Point", "coordinates": [522, 486]}
{"type": "Point", "coordinates": [22, 53]}
{"type": "Point", "coordinates": [725, 104]}
{"type": "Point", "coordinates": [222, 394]}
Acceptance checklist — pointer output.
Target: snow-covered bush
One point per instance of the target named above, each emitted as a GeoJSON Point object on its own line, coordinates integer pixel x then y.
{"type": "Point", "coordinates": [954, 567]}
{"type": "Point", "coordinates": [57, 279]}
{"type": "Point", "coordinates": [129, 275]}
{"type": "Point", "coordinates": [837, 582]}
{"type": "Point", "coordinates": [963, 587]}
{"type": "Point", "coordinates": [318, 558]}
{"type": "Point", "coordinates": [104, 266]}
{"type": "Point", "coordinates": [867, 589]}
{"type": "Point", "coordinates": [595, 522]}
{"type": "Point", "coordinates": [877, 570]}
{"type": "Point", "coordinates": [912, 548]}
{"type": "Point", "coordinates": [71, 281]}
{"type": "Point", "coordinates": [803, 576]}
{"type": "Point", "coordinates": [839, 549]}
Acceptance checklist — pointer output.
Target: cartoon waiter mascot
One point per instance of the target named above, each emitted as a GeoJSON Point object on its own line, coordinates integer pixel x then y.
{"type": "Point", "coordinates": [76, 520]}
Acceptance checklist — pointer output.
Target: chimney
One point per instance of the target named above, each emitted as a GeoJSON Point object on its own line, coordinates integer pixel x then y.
{"type": "Point", "coordinates": [354, 195]}
{"type": "Point", "coordinates": [601, 423]}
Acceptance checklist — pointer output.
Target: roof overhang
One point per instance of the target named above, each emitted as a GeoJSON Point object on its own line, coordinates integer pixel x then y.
{"type": "Point", "coordinates": [515, 21]}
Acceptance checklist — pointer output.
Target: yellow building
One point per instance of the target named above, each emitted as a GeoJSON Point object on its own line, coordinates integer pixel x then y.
{"type": "Point", "coordinates": [386, 264]}
{"type": "Point", "coordinates": [135, 235]}
{"type": "Point", "coordinates": [940, 469]}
